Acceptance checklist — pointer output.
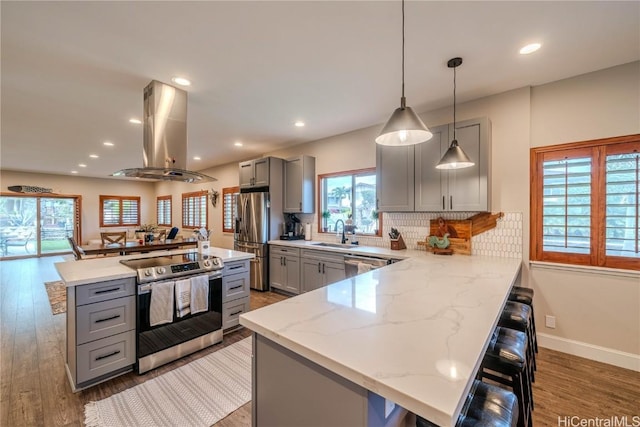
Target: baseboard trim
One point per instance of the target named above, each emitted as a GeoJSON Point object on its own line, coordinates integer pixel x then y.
{"type": "Point", "coordinates": [590, 351]}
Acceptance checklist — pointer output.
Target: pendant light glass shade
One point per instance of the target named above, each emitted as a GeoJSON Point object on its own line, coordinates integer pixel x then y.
{"type": "Point", "coordinates": [404, 127]}
{"type": "Point", "coordinates": [455, 157]}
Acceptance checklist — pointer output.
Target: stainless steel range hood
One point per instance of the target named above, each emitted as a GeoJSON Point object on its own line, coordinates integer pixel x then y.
{"type": "Point", "coordinates": [165, 137]}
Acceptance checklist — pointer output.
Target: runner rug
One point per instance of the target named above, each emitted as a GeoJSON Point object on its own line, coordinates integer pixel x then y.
{"type": "Point", "coordinates": [197, 394]}
{"type": "Point", "coordinates": [57, 293]}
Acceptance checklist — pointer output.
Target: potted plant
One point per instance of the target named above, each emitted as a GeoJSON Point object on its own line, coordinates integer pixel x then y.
{"type": "Point", "coordinates": [374, 216]}
{"type": "Point", "coordinates": [148, 230]}
{"type": "Point", "coordinates": [325, 216]}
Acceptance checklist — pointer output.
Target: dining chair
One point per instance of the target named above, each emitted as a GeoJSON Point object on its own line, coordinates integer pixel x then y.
{"type": "Point", "coordinates": [173, 233]}
{"type": "Point", "coordinates": [113, 237]}
{"type": "Point", "coordinates": [78, 253]}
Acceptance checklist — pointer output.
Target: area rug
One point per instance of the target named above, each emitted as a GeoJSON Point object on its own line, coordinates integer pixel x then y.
{"type": "Point", "coordinates": [57, 292]}
{"type": "Point", "coordinates": [197, 394]}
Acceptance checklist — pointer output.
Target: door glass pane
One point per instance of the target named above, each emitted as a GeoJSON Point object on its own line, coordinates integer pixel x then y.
{"type": "Point", "coordinates": [18, 218]}
{"type": "Point", "coordinates": [56, 219]}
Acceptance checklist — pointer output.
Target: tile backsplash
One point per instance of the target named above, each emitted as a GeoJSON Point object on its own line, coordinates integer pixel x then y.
{"type": "Point", "coordinates": [503, 241]}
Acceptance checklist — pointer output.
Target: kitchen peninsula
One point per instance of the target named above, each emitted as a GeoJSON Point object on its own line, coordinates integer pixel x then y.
{"type": "Point", "coordinates": [412, 333]}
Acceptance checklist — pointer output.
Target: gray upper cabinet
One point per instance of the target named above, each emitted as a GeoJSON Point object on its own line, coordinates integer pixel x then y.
{"type": "Point", "coordinates": [255, 173]}
{"type": "Point", "coordinates": [299, 188]}
{"type": "Point", "coordinates": [394, 178]}
{"type": "Point", "coordinates": [430, 183]}
{"type": "Point", "coordinates": [435, 190]}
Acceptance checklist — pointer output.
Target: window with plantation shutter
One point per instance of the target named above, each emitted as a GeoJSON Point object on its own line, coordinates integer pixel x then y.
{"type": "Point", "coordinates": [194, 210]}
{"type": "Point", "coordinates": [163, 208]}
{"type": "Point", "coordinates": [585, 203]}
{"type": "Point", "coordinates": [229, 208]}
{"type": "Point", "coordinates": [566, 204]}
{"type": "Point", "coordinates": [119, 211]}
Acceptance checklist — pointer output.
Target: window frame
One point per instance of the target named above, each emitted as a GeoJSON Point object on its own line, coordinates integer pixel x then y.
{"type": "Point", "coordinates": [226, 191]}
{"type": "Point", "coordinates": [160, 199]}
{"type": "Point", "coordinates": [195, 194]}
{"type": "Point", "coordinates": [597, 150]}
{"type": "Point", "coordinates": [120, 199]}
{"type": "Point", "coordinates": [321, 207]}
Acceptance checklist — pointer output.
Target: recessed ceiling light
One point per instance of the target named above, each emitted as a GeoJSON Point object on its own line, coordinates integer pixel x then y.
{"type": "Point", "coordinates": [135, 121]}
{"type": "Point", "coordinates": [196, 158]}
{"type": "Point", "coordinates": [82, 165]}
{"type": "Point", "coordinates": [530, 48]}
{"type": "Point", "coordinates": [108, 144]}
{"type": "Point", "coordinates": [93, 156]}
{"type": "Point", "coordinates": [299, 124]}
{"type": "Point", "coordinates": [238, 144]}
{"type": "Point", "coordinates": [181, 81]}
{"type": "Point", "coordinates": [74, 171]}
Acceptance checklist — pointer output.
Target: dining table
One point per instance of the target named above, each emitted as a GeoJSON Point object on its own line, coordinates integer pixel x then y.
{"type": "Point", "coordinates": [133, 246]}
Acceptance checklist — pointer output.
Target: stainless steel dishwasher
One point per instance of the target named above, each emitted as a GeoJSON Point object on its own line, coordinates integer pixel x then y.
{"type": "Point", "coordinates": [358, 264]}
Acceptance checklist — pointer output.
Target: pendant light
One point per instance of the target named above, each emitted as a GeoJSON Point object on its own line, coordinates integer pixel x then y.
{"type": "Point", "coordinates": [404, 127]}
{"type": "Point", "coordinates": [454, 158]}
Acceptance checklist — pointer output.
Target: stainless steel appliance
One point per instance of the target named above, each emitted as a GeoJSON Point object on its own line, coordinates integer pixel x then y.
{"type": "Point", "coordinates": [256, 224]}
{"type": "Point", "coordinates": [358, 264]}
{"type": "Point", "coordinates": [160, 344]}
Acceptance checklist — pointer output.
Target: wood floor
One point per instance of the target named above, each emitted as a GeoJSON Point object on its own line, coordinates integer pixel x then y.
{"type": "Point", "coordinates": [35, 390]}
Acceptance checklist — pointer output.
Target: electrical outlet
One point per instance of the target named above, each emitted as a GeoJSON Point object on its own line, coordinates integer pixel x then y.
{"type": "Point", "coordinates": [550, 321]}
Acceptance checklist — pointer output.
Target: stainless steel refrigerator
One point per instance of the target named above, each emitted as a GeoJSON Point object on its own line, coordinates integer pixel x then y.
{"type": "Point", "coordinates": [256, 224]}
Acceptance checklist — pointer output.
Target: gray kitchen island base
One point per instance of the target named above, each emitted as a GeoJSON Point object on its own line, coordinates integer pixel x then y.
{"type": "Point", "coordinates": [290, 390]}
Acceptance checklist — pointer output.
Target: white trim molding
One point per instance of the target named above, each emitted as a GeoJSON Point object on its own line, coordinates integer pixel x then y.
{"type": "Point", "coordinates": [590, 351]}
{"type": "Point", "coordinates": [584, 269]}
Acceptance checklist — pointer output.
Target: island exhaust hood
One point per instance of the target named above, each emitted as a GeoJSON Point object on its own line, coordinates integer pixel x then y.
{"type": "Point", "coordinates": [164, 152]}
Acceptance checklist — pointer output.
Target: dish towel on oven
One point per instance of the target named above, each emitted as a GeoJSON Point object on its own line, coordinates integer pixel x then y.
{"type": "Point", "coordinates": [183, 297]}
{"type": "Point", "coordinates": [161, 310]}
{"type": "Point", "coordinates": [199, 293]}
{"type": "Point", "coordinates": [363, 267]}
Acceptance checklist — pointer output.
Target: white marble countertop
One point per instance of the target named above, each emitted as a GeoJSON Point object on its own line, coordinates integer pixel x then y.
{"type": "Point", "coordinates": [356, 249]}
{"type": "Point", "coordinates": [413, 332]}
{"type": "Point", "coordinates": [98, 269]}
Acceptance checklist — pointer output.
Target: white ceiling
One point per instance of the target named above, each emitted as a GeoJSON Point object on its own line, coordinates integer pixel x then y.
{"type": "Point", "coordinates": [73, 72]}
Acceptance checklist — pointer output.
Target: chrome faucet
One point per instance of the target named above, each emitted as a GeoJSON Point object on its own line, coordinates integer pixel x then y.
{"type": "Point", "coordinates": [344, 239]}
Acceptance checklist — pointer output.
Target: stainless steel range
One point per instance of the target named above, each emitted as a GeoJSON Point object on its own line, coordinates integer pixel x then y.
{"type": "Point", "coordinates": [178, 306]}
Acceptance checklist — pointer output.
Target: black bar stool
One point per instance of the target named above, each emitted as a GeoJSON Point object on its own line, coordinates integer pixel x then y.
{"type": "Point", "coordinates": [505, 362]}
{"type": "Point", "coordinates": [486, 405]}
{"type": "Point", "coordinates": [525, 296]}
{"type": "Point", "coordinates": [517, 316]}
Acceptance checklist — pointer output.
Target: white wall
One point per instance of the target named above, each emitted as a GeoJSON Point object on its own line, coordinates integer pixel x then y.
{"type": "Point", "coordinates": [90, 189]}
{"type": "Point", "coordinates": [590, 307]}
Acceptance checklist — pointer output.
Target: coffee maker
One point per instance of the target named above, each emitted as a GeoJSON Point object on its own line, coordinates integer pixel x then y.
{"type": "Point", "coordinates": [292, 228]}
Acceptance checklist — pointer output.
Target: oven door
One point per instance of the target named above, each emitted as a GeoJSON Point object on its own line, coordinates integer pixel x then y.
{"type": "Point", "coordinates": [160, 344]}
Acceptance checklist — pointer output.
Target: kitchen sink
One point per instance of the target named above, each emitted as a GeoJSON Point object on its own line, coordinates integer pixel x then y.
{"type": "Point", "coordinates": [336, 245]}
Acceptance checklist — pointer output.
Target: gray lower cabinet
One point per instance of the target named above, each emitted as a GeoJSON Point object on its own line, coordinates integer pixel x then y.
{"type": "Point", "coordinates": [284, 268]}
{"type": "Point", "coordinates": [321, 268]}
{"type": "Point", "coordinates": [101, 336]}
{"type": "Point", "coordinates": [235, 293]}
{"type": "Point", "coordinates": [290, 390]}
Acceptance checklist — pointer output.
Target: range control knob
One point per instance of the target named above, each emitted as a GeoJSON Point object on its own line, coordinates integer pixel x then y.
{"type": "Point", "coordinates": [148, 272]}
{"type": "Point", "coordinates": [161, 270]}
{"type": "Point", "coordinates": [216, 261]}
{"type": "Point", "coordinates": [206, 263]}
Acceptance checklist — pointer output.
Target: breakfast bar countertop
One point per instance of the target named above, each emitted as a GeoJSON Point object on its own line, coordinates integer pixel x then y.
{"type": "Point", "coordinates": [413, 332]}
{"type": "Point", "coordinates": [99, 269]}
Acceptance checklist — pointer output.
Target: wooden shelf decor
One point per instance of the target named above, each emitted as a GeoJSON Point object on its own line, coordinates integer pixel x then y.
{"type": "Point", "coordinates": [460, 231]}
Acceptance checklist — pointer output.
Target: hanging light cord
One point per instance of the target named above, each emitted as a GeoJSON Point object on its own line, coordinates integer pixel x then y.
{"type": "Point", "coordinates": [402, 100]}
{"type": "Point", "coordinates": [454, 103]}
